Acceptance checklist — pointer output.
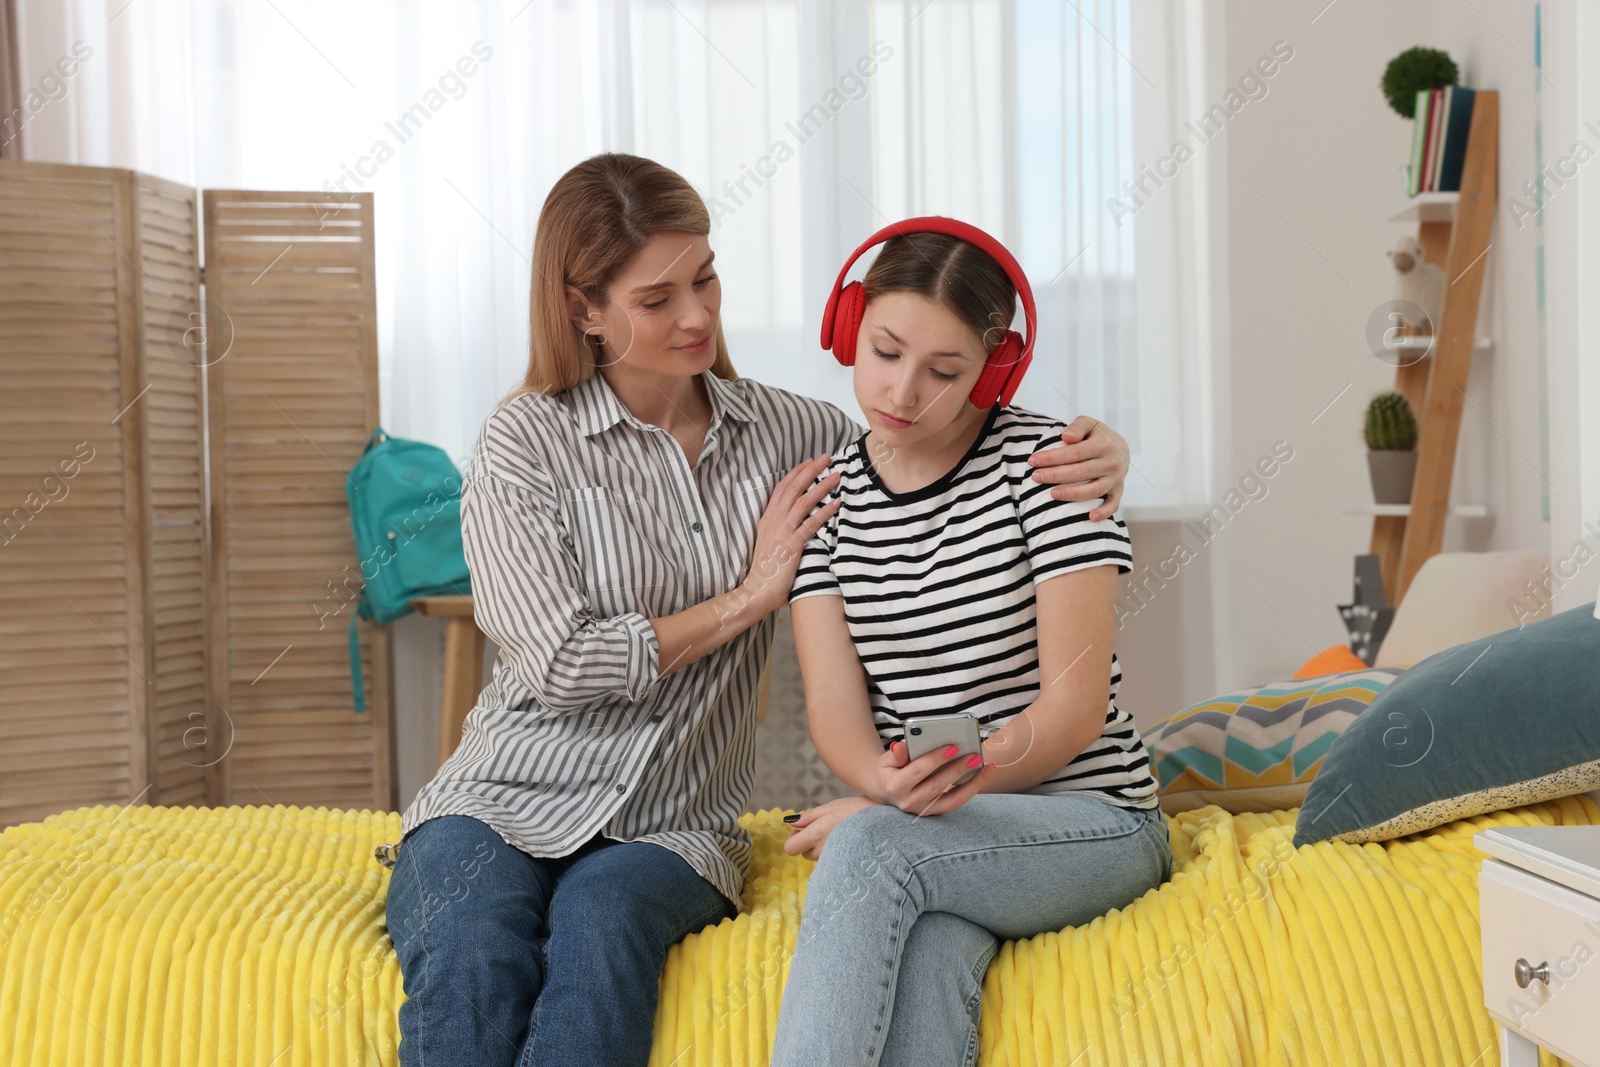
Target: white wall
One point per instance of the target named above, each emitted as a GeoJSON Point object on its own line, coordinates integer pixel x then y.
{"type": "Point", "coordinates": [1572, 257]}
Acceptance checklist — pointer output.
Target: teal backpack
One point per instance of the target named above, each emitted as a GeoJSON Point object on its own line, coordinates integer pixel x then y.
{"type": "Point", "coordinates": [405, 511]}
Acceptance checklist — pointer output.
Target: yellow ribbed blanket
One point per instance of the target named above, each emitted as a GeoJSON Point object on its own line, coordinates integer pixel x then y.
{"type": "Point", "coordinates": [254, 935]}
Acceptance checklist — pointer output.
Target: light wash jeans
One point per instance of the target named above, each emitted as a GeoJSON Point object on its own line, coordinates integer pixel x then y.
{"type": "Point", "coordinates": [904, 912]}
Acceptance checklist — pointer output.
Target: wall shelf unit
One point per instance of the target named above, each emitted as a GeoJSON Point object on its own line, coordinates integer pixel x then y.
{"type": "Point", "coordinates": [1453, 229]}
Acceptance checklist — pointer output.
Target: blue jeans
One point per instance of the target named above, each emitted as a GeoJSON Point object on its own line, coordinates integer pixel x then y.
{"type": "Point", "coordinates": [516, 960]}
{"type": "Point", "coordinates": [903, 913]}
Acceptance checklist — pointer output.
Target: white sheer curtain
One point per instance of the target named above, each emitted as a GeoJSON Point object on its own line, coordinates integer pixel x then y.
{"type": "Point", "coordinates": [805, 124]}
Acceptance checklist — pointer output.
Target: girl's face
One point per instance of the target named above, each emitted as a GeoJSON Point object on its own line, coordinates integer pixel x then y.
{"type": "Point", "coordinates": [917, 361]}
{"type": "Point", "coordinates": [662, 309]}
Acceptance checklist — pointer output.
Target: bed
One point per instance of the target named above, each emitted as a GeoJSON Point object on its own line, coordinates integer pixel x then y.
{"type": "Point", "coordinates": [255, 935]}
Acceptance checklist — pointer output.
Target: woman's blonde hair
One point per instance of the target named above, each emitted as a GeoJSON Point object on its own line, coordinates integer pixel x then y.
{"type": "Point", "coordinates": [595, 220]}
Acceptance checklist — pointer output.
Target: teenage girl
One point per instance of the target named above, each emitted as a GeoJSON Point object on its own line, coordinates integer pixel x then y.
{"type": "Point", "coordinates": [949, 581]}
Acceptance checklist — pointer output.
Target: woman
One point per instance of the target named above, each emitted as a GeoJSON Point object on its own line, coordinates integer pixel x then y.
{"type": "Point", "coordinates": [631, 518]}
{"type": "Point", "coordinates": [946, 583]}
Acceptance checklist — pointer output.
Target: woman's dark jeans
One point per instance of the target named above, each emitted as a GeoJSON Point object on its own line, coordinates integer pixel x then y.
{"type": "Point", "coordinates": [513, 960]}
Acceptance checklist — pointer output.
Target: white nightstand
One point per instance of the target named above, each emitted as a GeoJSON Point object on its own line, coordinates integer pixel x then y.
{"type": "Point", "coordinates": [1539, 913]}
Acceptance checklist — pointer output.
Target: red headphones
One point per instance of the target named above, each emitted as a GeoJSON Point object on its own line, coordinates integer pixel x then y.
{"type": "Point", "coordinates": [1002, 373]}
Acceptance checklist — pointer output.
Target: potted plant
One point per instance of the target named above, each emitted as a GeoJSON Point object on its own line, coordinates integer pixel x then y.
{"type": "Point", "coordinates": [1391, 435]}
{"type": "Point", "coordinates": [1412, 70]}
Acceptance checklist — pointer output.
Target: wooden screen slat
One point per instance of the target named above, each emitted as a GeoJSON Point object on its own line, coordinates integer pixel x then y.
{"type": "Point", "coordinates": [70, 563]}
{"type": "Point", "coordinates": [183, 737]}
{"type": "Point", "coordinates": [291, 407]}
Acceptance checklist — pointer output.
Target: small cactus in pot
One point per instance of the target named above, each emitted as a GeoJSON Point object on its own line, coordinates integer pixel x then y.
{"type": "Point", "coordinates": [1391, 427]}
{"type": "Point", "coordinates": [1391, 435]}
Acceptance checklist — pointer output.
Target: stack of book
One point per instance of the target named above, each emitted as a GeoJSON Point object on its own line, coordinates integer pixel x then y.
{"type": "Point", "coordinates": [1439, 139]}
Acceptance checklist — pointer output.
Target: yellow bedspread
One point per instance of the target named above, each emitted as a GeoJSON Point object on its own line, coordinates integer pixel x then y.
{"type": "Point", "coordinates": [254, 935]}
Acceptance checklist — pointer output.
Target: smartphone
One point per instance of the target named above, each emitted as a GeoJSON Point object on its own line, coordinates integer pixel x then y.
{"type": "Point", "coordinates": [930, 732]}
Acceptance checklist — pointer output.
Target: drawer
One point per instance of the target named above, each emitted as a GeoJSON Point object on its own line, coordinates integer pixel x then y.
{"type": "Point", "coordinates": [1524, 916]}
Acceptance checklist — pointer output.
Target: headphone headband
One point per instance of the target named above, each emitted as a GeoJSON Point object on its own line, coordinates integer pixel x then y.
{"type": "Point", "coordinates": [952, 228]}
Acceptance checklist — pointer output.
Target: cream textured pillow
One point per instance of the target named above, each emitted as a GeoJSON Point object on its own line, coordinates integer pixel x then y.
{"type": "Point", "coordinates": [1458, 597]}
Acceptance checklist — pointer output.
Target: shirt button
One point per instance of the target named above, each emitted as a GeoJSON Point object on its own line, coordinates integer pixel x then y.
{"type": "Point", "coordinates": [655, 718]}
{"type": "Point", "coordinates": [621, 787]}
{"type": "Point", "coordinates": [695, 527]}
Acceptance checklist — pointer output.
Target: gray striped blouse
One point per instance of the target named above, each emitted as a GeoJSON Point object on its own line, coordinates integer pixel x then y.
{"type": "Point", "coordinates": [581, 523]}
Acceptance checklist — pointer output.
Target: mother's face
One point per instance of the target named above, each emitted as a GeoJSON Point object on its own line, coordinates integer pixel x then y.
{"type": "Point", "coordinates": [661, 310]}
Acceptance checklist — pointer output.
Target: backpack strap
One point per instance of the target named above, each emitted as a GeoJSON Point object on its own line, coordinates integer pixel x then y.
{"type": "Point", "coordinates": [356, 687]}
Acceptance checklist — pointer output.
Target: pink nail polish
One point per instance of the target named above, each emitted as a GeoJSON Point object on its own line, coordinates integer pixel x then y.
{"type": "Point", "coordinates": [974, 761]}
{"type": "Point", "coordinates": [951, 751]}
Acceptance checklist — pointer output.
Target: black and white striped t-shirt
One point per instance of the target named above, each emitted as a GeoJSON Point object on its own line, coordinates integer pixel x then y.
{"type": "Point", "coordinates": [938, 585]}
{"type": "Point", "coordinates": [582, 523]}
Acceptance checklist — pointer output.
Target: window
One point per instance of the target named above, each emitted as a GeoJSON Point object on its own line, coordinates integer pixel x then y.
{"type": "Point", "coordinates": [806, 125]}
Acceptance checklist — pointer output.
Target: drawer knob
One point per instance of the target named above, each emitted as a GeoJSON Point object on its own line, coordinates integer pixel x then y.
{"type": "Point", "coordinates": [1526, 974]}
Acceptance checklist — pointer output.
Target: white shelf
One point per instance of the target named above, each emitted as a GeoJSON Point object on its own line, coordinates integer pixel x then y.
{"type": "Point", "coordinates": [1427, 207]}
{"type": "Point", "coordinates": [1403, 344]}
{"type": "Point", "coordinates": [1460, 511]}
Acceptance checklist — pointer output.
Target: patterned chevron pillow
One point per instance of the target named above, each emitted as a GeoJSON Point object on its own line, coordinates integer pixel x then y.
{"type": "Point", "coordinates": [1257, 749]}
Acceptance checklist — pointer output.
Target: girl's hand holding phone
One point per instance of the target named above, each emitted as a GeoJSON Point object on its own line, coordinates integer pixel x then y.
{"type": "Point", "coordinates": [926, 785]}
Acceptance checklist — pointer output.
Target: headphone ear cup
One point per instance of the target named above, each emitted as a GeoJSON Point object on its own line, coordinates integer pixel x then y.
{"type": "Point", "coordinates": [1016, 370]}
{"type": "Point", "coordinates": [847, 322]}
{"type": "Point", "coordinates": [1002, 372]}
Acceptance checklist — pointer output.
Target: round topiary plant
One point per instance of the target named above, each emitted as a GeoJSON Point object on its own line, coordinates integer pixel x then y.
{"type": "Point", "coordinates": [1413, 70]}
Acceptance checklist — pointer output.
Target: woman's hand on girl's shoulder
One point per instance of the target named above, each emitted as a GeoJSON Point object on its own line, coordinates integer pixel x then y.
{"type": "Point", "coordinates": [789, 520]}
{"type": "Point", "coordinates": [1091, 461]}
{"type": "Point", "coordinates": [808, 833]}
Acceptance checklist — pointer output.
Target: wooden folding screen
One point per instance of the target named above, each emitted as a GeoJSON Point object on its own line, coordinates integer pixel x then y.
{"type": "Point", "coordinates": [293, 400]}
{"type": "Point", "coordinates": [125, 641]}
{"type": "Point", "coordinates": [102, 521]}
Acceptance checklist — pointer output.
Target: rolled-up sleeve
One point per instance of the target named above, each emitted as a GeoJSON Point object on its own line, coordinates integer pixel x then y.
{"type": "Point", "coordinates": [528, 597]}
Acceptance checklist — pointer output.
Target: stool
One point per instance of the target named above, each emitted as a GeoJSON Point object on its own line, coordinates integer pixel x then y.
{"type": "Point", "coordinates": [463, 664]}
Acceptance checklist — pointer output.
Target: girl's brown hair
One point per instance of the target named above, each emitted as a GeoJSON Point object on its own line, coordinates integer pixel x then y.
{"type": "Point", "coordinates": [948, 270]}
{"type": "Point", "coordinates": [597, 217]}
